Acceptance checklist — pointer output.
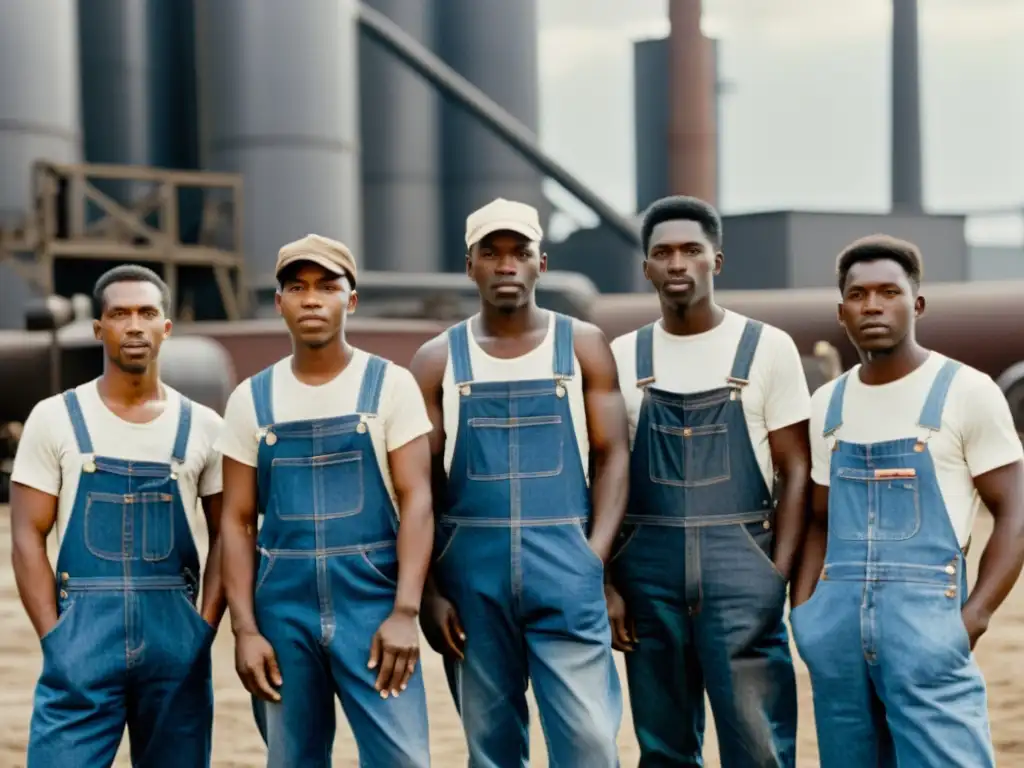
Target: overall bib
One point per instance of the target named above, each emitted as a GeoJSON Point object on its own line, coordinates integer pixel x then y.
{"type": "Point", "coordinates": [893, 675]}
{"type": "Point", "coordinates": [695, 569]}
{"type": "Point", "coordinates": [327, 577]}
{"type": "Point", "coordinates": [513, 557]}
{"type": "Point", "coordinates": [129, 647]}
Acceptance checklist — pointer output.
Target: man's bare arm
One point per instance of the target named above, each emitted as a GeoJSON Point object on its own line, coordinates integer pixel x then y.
{"type": "Point", "coordinates": [812, 555]}
{"type": "Point", "coordinates": [410, 473]}
{"type": "Point", "coordinates": [238, 543]}
{"type": "Point", "coordinates": [791, 456]}
{"type": "Point", "coordinates": [609, 437]}
{"type": "Point", "coordinates": [1002, 491]}
{"type": "Point", "coordinates": [214, 601]}
{"type": "Point", "coordinates": [33, 515]}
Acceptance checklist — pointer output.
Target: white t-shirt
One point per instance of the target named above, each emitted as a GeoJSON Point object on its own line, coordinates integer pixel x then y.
{"type": "Point", "coordinates": [401, 414]}
{"type": "Point", "coordinates": [539, 363]}
{"type": "Point", "coordinates": [776, 396]}
{"type": "Point", "coordinates": [977, 432]}
{"type": "Point", "coordinates": [48, 458]}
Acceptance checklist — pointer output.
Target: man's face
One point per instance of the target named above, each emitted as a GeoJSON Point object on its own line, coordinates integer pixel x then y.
{"type": "Point", "coordinates": [681, 263]}
{"type": "Point", "coordinates": [314, 302]}
{"type": "Point", "coordinates": [133, 325]}
{"type": "Point", "coordinates": [505, 267]}
{"type": "Point", "coordinates": [879, 305]}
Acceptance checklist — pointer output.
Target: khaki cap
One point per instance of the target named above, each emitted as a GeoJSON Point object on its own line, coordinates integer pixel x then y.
{"type": "Point", "coordinates": [329, 254]}
{"type": "Point", "coordinates": [501, 214]}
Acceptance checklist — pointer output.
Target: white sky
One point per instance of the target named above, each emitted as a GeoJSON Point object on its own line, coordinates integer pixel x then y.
{"type": "Point", "coordinates": [806, 124]}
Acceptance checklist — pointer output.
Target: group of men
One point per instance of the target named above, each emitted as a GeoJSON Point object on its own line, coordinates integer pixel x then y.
{"type": "Point", "coordinates": [533, 497]}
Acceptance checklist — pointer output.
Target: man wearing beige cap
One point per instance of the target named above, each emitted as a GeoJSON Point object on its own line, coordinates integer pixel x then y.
{"type": "Point", "coordinates": [521, 400]}
{"type": "Point", "coordinates": [329, 446]}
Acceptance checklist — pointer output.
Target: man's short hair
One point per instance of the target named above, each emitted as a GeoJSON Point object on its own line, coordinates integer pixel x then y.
{"type": "Point", "coordinates": [682, 208]}
{"type": "Point", "coordinates": [129, 273]}
{"type": "Point", "coordinates": [876, 247]}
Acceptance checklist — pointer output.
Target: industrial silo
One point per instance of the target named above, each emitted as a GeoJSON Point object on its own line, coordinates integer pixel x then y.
{"type": "Point", "coordinates": [401, 142]}
{"type": "Point", "coordinates": [493, 44]}
{"type": "Point", "coordinates": [39, 113]}
{"type": "Point", "coordinates": [278, 87]}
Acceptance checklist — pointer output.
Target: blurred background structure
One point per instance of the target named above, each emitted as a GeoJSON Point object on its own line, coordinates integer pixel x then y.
{"type": "Point", "coordinates": [197, 136]}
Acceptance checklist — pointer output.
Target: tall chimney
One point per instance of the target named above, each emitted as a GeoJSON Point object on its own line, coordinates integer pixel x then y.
{"type": "Point", "coordinates": [692, 151]}
{"type": "Point", "coordinates": [906, 108]}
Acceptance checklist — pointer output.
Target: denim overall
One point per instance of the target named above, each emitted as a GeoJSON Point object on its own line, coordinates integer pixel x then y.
{"type": "Point", "coordinates": [327, 578]}
{"type": "Point", "coordinates": [129, 647]}
{"type": "Point", "coordinates": [513, 557]}
{"type": "Point", "coordinates": [695, 569]}
{"type": "Point", "coordinates": [891, 667]}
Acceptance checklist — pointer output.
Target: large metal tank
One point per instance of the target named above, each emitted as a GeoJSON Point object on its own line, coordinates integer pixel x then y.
{"type": "Point", "coordinates": [401, 142]}
{"type": "Point", "coordinates": [39, 114]}
{"type": "Point", "coordinates": [278, 89]}
{"type": "Point", "coordinates": [493, 44]}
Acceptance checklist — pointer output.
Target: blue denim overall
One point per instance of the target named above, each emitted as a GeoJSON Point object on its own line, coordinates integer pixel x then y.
{"type": "Point", "coordinates": [514, 559]}
{"type": "Point", "coordinates": [129, 647]}
{"type": "Point", "coordinates": [695, 569]}
{"type": "Point", "coordinates": [327, 578]}
{"type": "Point", "coordinates": [891, 666]}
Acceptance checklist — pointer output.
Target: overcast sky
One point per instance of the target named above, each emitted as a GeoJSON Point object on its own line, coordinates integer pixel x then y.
{"type": "Point", "coordinates": [806, 124]}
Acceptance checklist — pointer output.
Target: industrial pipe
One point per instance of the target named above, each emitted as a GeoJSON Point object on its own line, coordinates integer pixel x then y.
{"type": "Point", "coordinates": [452, 84]}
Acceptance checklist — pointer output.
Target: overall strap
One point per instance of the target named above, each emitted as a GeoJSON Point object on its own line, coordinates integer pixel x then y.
{"type": "Point", "coordinates": [78, 422]}
{"type": "Point", "coordinates": [931, 413]}
{"type": "Point", "coordinates": [184, 427]}
{"type": "Point", "coordinates": [745, 352]}
{"type": "Point", "coordinates": [564, 364]}
{"type": "Point", "coordinates": [262, 386]}
{"type": "Point", "coordinates": [373, 384]}
{"type": "Point", "coordinates": [458, 351]}
{"type": "Point", "coordinates": [645, 355]}
{"type": "Point", "coordinates": [834, 414]}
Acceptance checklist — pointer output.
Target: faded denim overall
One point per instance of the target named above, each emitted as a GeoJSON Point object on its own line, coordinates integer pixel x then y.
{"type": "Point", "coordinates": [327, 578]}
{"type": "Point", "coordinates": [891, 666]}
{"type": "Point", "coordinates": [513, 557]}
{"type": "Point", "coordinates": [694, 567]}
{"type": "Point", "coordinates": [129, 647]}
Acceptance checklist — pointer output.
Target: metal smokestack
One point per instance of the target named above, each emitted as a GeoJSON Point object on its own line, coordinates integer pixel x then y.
{"type": "Point", "coordinates": [692, 151]}
{"type": "Point", "coordinates": [906, 108]}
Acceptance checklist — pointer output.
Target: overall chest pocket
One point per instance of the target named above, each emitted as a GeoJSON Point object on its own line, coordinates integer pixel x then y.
{"type": "Point", "coordinates": [871, 505]}
{"type": "Point", "coordinates": [318, 488]}
{"type": "Point", "coordinates": [689, 457]}
{"type": "Point", "coordinates": [115, 523]}
{"type": "Point", "coordinates": [515, 448]}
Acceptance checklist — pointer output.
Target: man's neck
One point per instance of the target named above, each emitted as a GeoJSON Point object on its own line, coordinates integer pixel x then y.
{"type": "Point", "coordinates": [892, 365]}
{"type": "Point", "coordinates": [313, 365]}
{"type": "Point", "coordinates": [498, 323]}
{"type": "Point", "coordinates": [699, 317]}
{"type": "Point", "coordinates": [129, 389]}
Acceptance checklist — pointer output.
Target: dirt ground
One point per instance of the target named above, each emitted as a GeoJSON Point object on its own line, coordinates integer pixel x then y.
{"type": "Point", "coordinates": [236, 742]}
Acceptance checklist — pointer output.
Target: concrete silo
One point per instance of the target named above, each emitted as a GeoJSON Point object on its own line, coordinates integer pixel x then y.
{"type": "Point", "coordinates": [39, 113]}
{"type": "Point", "coordinates": [401, 163]}
{"type": "Point", "coordinates": [278, 88]}
{"type": "Point", "coordinates": [493, 44]}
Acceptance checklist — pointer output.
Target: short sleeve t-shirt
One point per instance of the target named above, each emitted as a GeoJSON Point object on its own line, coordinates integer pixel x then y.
{"type": "Point", "coordinates": [977, 433]}
{"type": "Point", "coordinates": [48, 458]}
{"type": "Point", "coordinates": [401, 418]}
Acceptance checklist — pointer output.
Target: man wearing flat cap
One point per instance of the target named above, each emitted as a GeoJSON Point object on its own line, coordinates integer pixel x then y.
{"type": "Point", "coordinates": [329, 446]}
{"type": "Point", "coordinates": [524, 402]}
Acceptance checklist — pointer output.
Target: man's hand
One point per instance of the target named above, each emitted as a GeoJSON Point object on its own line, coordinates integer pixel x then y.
{"type": "Point", "coordinates": [395, 651]}
{"type": "Point", "coordinates": [441, 626]}
{"type": "Point", "coordinates": [623, 628]}
{"type": "Point", "coordinates": [256, 665]}
{"type": "Point", "coordinates": [975, 622]}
